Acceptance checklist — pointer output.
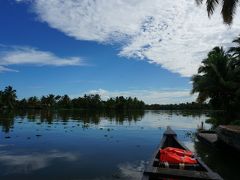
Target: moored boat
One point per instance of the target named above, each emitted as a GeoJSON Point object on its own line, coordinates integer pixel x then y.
{"type": "Point", "coordinates": [158, 170]}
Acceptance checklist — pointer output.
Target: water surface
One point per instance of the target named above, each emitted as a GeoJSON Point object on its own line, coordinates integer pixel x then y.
{"type": "Point", "coordinates": [74, 145]}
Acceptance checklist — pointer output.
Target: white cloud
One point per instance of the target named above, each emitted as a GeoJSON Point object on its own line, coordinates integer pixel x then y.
{"type": "Point", "coordinates": [16, 55]}
{"type": "Point", "coordinates": [148, 96]}
{"type": "Point", "coordinates": [175, 34]}
{"type": "Point", "coordinates": [4, 69]}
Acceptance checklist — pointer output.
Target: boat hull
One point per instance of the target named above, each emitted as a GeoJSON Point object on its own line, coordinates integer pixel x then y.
{"type": "Point", "coordinates": [156, 170]}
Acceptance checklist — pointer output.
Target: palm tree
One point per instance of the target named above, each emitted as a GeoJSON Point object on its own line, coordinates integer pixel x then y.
{"type": "Point", "coordinates": [228, 8]}
{"type": "Point", "coordinates": [33, 102]}
{"type": "Point", "coordinates": [65, 101]}
{"type": "Point", "coordinates": [213, 81]}
{"type": "Point", "coordinates": [216, 80]}
{"type": "Point", "coordinates": [22, 103]}
{"type": "Point", "coordinates": [235, 67]}
{"type": "Point", "coordinates": [50, 100]}
{"type": "Point", "coordinates": [9, 97]}
{"type": "Point", "coordinates": [1, 99]}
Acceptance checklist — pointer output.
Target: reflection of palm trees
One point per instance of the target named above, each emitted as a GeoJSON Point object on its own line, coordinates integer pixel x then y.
{"type": "Point", "coordinates": [217, 118]}
{"type": "Point", "coordinates": [47, 115]}
{"type": "Point", "coordinates": [228, 8]}
{"type": "Point", "coordinates": [7, 120]}
{"type": "Point", "coordinates": [220, 159]}
{"type": "Point", "coordinates": [94, 117]}
{"type": "Point", "coordinates": [82, 116]}
{"type": "Point", "coordinates": [191, 113]}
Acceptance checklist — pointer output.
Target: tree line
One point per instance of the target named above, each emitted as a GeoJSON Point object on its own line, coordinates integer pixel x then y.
{"type": "Point", "coordinates": [8, 100]}
{"type": "Point", "coordinates": [181, 106]}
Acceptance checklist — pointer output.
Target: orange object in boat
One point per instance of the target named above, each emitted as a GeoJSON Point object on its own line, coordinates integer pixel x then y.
{"type": "Point", "coordinates": [178, 151]}
{"type": "Point", "coordinates": [171, 157]}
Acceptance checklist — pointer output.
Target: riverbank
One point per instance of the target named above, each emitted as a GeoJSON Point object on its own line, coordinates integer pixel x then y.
{"type": "Point", "coordinates": [230, 135]}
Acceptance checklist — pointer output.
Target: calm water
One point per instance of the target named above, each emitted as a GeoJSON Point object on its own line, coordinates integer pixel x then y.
{"type": "Point", "coordinates": [74, 145]}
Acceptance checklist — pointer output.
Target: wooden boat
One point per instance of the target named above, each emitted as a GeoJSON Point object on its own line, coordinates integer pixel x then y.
{"type": "Point", "coordinates": [208, 137]}
{"type": "Point", "coordinates": [157, 170]}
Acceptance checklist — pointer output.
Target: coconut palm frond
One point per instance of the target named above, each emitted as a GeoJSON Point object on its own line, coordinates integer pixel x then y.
{"type": "Point", "coordinates": [211, 5]}
{"type": "Point", "coordinates": [228, 10]}
{"type": "Point", "coordinates": [235, 51]}
{"type": "Point", "coordinates": [202, 97]}
{"type": "Point", "coordinates": [237, 40]}
{"type": "Point", "coordinates": [199, 2]}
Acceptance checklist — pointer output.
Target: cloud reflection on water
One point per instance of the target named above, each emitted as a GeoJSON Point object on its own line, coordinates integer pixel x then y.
{"type": "Point", "coordinates": [27, 163]}
{"type": "Point", "coordinates": [132, 171]}
{"type": "Point", "coordinates": [127, 171]}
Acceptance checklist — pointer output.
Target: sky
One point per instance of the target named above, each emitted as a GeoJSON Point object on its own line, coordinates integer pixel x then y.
{"type": "Point", "coordinates": [147, 49]}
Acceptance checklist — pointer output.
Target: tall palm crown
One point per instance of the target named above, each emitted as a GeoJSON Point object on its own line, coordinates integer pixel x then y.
{"type": "Point", "coordinates": [218, 80]}
{"type": "Point", "coordinates": [228, 8]}
{"type": "Point", "coordinates": [209, 81]}
{"type": "Point", "coordinates": [9, 96]}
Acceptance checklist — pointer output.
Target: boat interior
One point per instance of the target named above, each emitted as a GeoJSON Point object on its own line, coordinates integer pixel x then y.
{"type": "Point", "coordinates": [170, 141]}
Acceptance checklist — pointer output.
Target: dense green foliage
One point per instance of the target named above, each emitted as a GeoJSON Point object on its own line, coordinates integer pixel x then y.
{"type": "Point", "coordinates": [182, 106]}
{"type": "Point", "coordinates": [228, 8]}
{"type": "Point", "coordinates": [8, 98]}
{"type": "Point", "coordinates": [218, 79]}
{"type": "Point", "coordinates": [93, 101]}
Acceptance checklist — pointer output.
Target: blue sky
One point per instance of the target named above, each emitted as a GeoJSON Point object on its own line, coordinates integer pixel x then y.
{"type": "Point", "coordinates": [138, 49]}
